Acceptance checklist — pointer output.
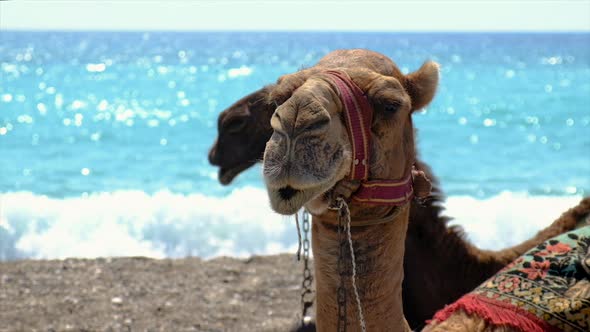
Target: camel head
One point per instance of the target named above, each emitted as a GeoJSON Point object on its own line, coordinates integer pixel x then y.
{"type": "Point", "coordinates": [243, 130]}
{"type": "Point", "coordinates": [310, 150]}
{"type": "Point", "coordinates": [244, 127]}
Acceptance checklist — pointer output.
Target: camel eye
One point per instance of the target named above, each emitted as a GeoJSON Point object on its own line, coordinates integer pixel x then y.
{"type": "Point", "coordinates": [235, 125]}
{"type": "Point", "coordinates": [392, 107]}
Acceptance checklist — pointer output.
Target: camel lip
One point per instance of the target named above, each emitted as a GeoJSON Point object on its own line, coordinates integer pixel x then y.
{"type": "Point", "coordinates": [289, 195]}
{"type": "Point", "coordinates": [288, 200]}
{"type": "Point", "coordinates": [227, 174]}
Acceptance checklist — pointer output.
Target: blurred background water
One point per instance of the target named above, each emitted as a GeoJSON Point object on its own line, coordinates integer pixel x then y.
{"type": "Point", "coordinates": [104, 135]}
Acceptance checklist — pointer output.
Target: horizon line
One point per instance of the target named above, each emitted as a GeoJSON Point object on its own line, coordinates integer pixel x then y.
{"type": "Point", "coordinates": [295, 31]}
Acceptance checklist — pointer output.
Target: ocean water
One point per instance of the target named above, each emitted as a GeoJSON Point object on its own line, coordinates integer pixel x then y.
{"type": "Point", "coordinates": [104, 136]}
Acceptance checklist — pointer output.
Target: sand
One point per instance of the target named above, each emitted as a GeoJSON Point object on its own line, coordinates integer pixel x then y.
{"type": "Point", "coordinates": [141, 294]}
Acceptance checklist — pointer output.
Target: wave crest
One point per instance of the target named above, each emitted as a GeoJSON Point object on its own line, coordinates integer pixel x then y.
{"type": "Point", "coordinates": [166, 224]}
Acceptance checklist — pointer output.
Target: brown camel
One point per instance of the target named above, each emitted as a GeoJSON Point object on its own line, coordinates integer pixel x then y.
{"type": "Point", "coordinates": [310, 152]}
{"type": "Point", "coordinates": [435, 274]}
{"type": "Point", "coordinates": [308, 161]}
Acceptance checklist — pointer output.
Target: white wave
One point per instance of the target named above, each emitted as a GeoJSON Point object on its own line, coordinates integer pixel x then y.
{"type": "Point", "coordinates": [133, 223]}
{"type": "Point", "coordinates": [506, 219]}
{"type": "Point", "coordinates": [165, 224]}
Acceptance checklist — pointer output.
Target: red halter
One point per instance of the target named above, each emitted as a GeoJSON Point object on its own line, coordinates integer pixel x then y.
{"type": "Point", "coordinates": [359, 115]}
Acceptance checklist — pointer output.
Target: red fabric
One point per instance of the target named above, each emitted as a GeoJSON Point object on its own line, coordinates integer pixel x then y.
{"type": "Point", "coordinates": [359, 115]}
{"type": "Point", "coordinates": [496, 313]}
{"type": "Point", "coordinates": [385, 192]}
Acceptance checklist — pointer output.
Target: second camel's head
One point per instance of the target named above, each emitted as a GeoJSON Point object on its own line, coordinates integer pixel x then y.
{"type": "Point", "coordinates": [243, 130]}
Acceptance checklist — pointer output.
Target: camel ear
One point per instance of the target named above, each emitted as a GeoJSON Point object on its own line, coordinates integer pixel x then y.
{"type": "Point", "coordinates": [421, 84]}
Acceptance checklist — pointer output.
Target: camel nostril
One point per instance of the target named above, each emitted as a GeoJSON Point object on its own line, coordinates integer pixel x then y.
{"type": "Point", "coordinates": [287, 192]}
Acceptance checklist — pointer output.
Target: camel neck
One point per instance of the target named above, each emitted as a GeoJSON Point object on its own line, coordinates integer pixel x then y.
{"type": "Point", "coordinates": [379, 251]}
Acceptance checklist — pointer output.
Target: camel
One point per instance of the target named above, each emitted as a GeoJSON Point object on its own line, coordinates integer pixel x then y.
{"type": "Point", "coordinates": [436, 274]}
{"type": "Point", "coordinates": [310, 152]}
{"type": "Point", "coordinates": [314, 159]}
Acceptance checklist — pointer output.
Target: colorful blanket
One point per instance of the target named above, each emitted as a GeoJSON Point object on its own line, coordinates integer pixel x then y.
{"type": "Point", "coordinates": [547, 289]}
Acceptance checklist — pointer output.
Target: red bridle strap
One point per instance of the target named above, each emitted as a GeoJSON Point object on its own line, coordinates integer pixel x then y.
{"type": "Point", "coordinates": [385, 192]}
{"type": "Point", "coordinates": [358, 114]}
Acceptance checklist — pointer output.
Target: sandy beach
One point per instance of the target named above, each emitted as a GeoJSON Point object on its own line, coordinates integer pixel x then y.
{"type": "Point", "coordinates": [142, 294]}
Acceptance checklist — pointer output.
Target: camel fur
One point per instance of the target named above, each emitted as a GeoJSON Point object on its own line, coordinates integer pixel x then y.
{"type": "Point", "coordinates": [310, 152]}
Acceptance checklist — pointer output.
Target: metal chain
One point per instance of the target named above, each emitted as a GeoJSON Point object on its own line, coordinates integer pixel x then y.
{"type": "Point", "coordinates": [341, 292]}
{"type": "Point", "coordinates": [306, 292]}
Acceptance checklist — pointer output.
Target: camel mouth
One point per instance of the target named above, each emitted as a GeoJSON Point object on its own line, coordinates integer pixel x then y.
{"type": "Point", "coordinates": [227, 174]}
{"type": "Point", "coordinates": [287, 192]}
{"type": "Point", "coordinates": [288, 195]}
{"type": "Point", "coordinates": [288, 200]}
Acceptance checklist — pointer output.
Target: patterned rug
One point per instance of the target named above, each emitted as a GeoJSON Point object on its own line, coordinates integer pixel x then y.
{"type": "Point", "coordinates": [546, 289]}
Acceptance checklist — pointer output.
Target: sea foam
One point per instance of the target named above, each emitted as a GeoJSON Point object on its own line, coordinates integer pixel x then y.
{"type": "Point", "coordinates": [166, 224]}
{"type": "Point", "coordinates": [132, 223]}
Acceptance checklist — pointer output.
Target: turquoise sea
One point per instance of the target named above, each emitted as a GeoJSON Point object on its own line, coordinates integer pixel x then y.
{"type": "Point", "coordinates": [104, 135]}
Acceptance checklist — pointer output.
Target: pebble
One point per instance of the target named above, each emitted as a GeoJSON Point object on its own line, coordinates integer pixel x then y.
{"type": "Point", "coordinates": [117, 300]}
{"type": "Point", "coordinates": [6, 278]}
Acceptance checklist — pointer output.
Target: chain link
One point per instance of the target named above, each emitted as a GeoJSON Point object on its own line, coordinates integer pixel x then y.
{"type": "Point", "coordinates": [306, 292]}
